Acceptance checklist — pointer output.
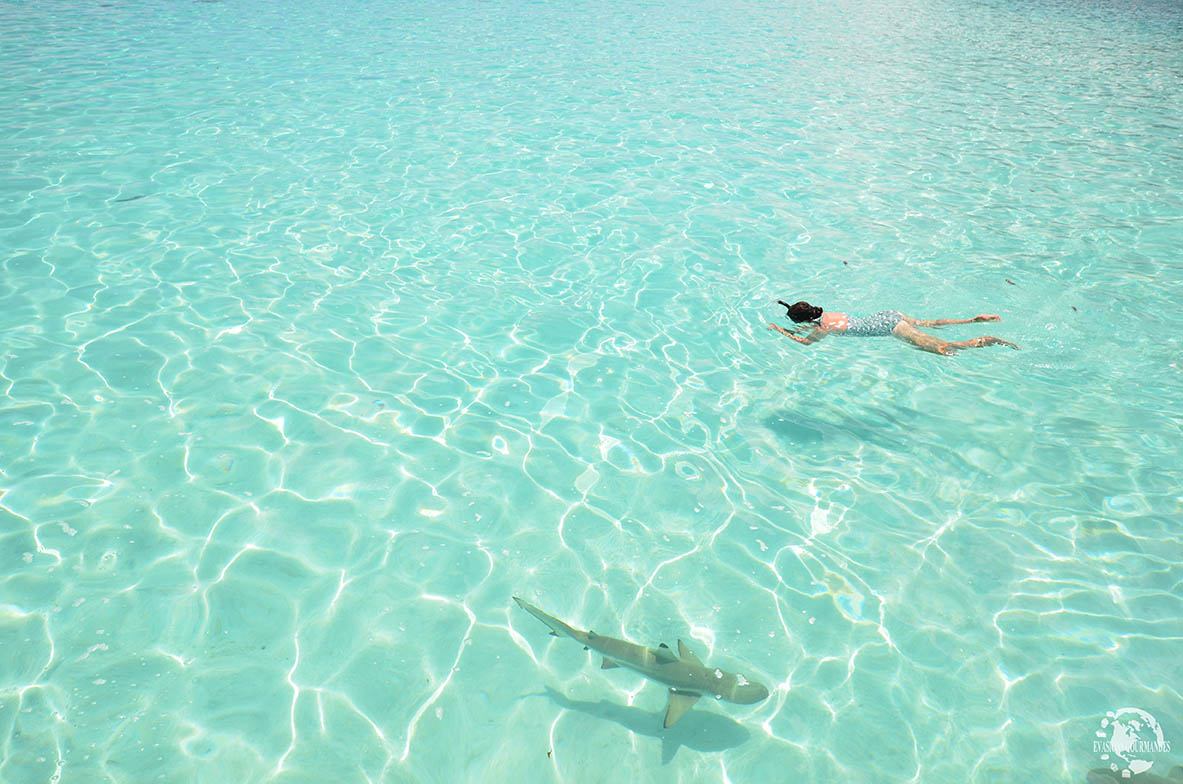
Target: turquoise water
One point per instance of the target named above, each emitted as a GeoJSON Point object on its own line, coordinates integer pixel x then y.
{"type": "Point", "coordinates": [326, 328]}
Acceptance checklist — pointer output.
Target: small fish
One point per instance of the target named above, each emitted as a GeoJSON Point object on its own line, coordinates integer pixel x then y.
{"type": "Point", "coordinates": [1008, 280]}
{"type": "Point", "coordinates": [130, 198]}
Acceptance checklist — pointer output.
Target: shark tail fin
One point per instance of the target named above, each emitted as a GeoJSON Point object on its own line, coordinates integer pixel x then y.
{"type": "Point", "coordinates": [608, 664]}
{"type": "Point", "coordinates": [557, 627]}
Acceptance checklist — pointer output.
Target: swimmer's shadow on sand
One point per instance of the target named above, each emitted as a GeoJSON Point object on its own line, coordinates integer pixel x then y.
{"type": "Point", "coordinates": [700, 730]}
{"type": "Point", "coordinates": [806, 431]}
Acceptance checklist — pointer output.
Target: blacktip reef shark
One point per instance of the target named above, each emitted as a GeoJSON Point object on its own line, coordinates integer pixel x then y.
{"type": "Point", "coordinates": [688, 678]}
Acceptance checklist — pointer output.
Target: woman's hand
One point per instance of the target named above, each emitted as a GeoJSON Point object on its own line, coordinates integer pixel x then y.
{"type": "Point", "coordinates": [786, 333]}
{"type": "Point", "coordinates": [987, 317]}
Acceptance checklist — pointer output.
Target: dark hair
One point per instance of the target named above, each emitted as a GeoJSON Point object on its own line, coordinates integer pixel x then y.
{"type": "Point", "coordinates": [803, 311]}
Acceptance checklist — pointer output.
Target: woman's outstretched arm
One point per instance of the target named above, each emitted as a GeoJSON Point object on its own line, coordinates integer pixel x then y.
{"type": "Point", "coordinates": [813, 337]}
{"type": "Point", "coordinates": [946, 322]}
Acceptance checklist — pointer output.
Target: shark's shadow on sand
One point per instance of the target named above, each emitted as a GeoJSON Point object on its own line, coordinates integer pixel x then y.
{"type": "Point", "coordinates": [702, 731]}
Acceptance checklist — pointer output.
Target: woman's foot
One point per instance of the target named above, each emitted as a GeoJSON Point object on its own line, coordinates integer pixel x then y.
{"type": "Point", "coordinates": [990, 340]}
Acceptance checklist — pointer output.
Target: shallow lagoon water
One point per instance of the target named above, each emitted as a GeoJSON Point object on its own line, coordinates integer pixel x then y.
{"type": "Point", "coordinates": [328, 327]}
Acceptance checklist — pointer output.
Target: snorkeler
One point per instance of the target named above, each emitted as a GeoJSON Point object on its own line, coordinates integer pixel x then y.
{"type": "Point", "coordinates": [885, 322]}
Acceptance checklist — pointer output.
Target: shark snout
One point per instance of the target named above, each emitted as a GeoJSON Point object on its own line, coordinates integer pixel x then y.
{"type": "Point", "coordinates": [748, 693]}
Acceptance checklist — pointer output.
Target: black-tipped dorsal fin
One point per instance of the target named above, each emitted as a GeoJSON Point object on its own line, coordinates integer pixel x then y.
{"type": "Point", "coordinates": [687, 655]}
{"type": "Point", "coordinates": [662, 645]}
{"type": "Point", "coordinates": [680, 702]}
{"type": "Point", "coordinates": [608, 664]}
{"type": "Point", "coordinates": [663, 654]}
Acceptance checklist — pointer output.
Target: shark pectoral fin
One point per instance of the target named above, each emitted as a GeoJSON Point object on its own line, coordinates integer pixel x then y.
{"type": "Point", "coordinates": [680, 702]}
{"type": "Point", "coordinates": [688, 655]}
{"type": "Point", "coordinates": [608, 664]}
{"type": "Point", "coordinates": [553, 634]}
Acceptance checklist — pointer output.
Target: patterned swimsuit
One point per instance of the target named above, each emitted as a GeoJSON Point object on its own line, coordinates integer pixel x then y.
{"type": "Point", "coordinates": [877, 325]}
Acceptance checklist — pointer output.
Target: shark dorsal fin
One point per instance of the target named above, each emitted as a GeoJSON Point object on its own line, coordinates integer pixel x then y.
{"type": "Point", "coordinates": [664, 655]}
{"type": "Point", "coordinates": [662, 645]}
{"type": "Point", "coordinates": [687, 655]}
{"type": "Point", "coordinates": [680, 702]}
{"type": "Point", "coordinates": [608, 664]}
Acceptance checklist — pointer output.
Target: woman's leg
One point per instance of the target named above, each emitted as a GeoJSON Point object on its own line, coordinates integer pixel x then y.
{"type": "Point", "coordinates": [906, 332]}
{"type": "Point", "coordinates": [985, 340]}
{"type": "Point", "coordinates": [946, 322]}
{"type": "Point", "coordinates": [909, 333]}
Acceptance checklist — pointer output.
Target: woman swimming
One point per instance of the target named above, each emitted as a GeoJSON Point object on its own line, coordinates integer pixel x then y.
{"type": "Point", "coordinates": [885, 322]}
